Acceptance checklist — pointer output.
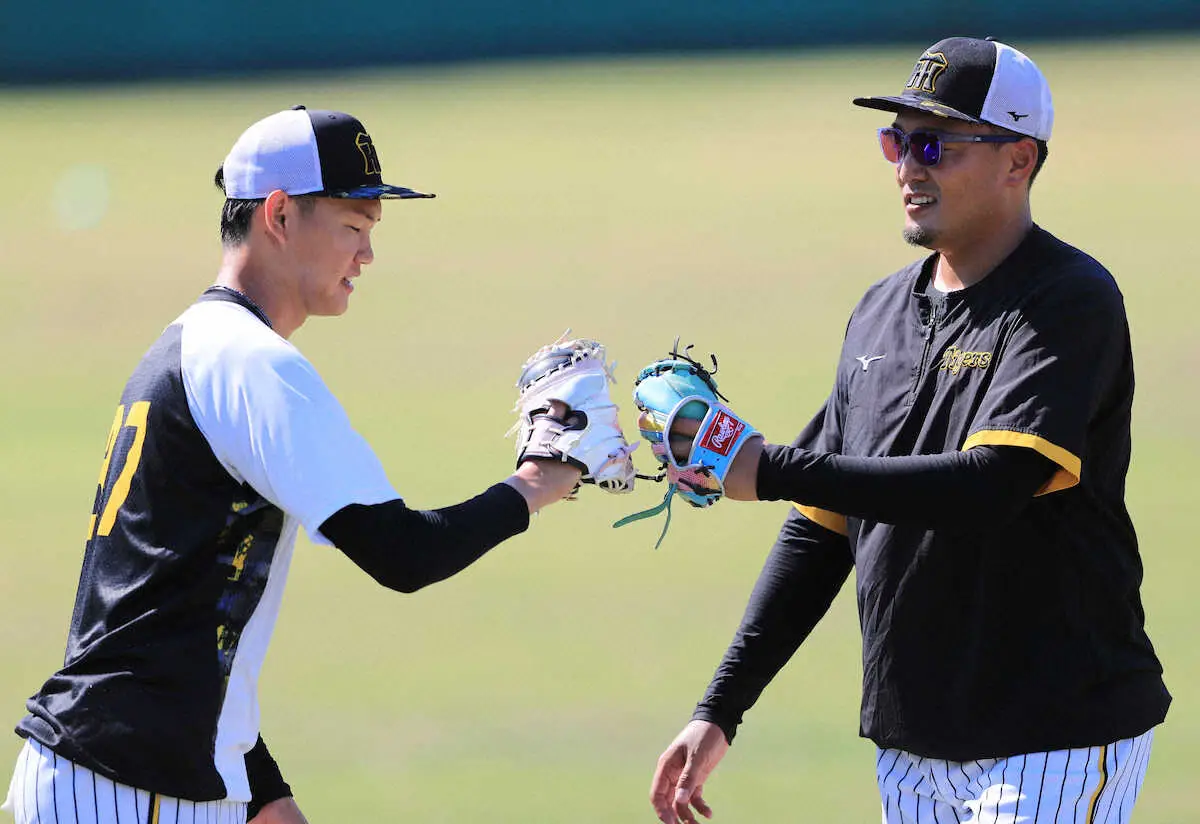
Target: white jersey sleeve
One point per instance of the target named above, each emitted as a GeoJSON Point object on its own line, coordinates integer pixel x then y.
{"type": "Point", "coordinates": [270, 419]}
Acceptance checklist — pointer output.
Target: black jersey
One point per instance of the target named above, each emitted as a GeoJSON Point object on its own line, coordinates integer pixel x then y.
{"type": "Point", "coordinates": [1022, 635]}
{"type": "Point", "coordinates": [225, 442]}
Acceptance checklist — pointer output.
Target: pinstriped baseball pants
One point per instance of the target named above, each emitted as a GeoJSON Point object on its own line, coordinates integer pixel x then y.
{"type": "Point", "coordinates": [1089, 785]}
{"type": "Point", "coordinates": [49, 789]}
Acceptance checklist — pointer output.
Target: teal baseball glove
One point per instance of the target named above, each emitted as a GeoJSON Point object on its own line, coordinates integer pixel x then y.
{"type": "Point", "coordinates": [695, 466]}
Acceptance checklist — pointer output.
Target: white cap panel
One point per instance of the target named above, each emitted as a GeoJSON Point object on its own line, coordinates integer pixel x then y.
{"type": "Point", "coordinates": [1019, 97]}
{"type": "Point", "coordinates": [277, 152]}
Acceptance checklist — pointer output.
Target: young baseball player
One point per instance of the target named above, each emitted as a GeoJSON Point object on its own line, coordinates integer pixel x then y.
{"type": "Point", "coordinates": [226, 441]}
{"type": "Point", "coordinates": [969, 466]}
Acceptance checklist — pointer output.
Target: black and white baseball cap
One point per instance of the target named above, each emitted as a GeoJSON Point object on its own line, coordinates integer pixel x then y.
{"type": "Point", "coordinates": [979, 81]}
{"type": "Point", "coordinates": [307, 152]}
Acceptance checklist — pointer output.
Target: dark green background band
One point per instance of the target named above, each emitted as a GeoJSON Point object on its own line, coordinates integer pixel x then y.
{"type": "Point", "coordinates": [53, 40]}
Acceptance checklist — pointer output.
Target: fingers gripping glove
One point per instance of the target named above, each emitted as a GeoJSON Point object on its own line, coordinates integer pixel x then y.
{"type": "Point", "coordinates": [679, 387]}
{"type": "Point", "coordinates": [589, 436]}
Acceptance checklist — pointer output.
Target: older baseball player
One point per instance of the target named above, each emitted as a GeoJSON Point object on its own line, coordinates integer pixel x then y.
{"type": "Point", "coordinates": [226, 441]}
{"type": "Point", "coordinates": [969, 465]}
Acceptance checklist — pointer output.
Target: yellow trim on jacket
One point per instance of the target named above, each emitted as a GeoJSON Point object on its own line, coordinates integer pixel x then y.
{"type": "Point", "coordinates": [1070, 466]}
{"type": "Point", "coordinates": [823, 517]}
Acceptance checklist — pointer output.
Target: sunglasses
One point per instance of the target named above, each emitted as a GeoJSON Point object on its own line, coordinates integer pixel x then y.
{"type": "Point", "coordinates": [926, 147]}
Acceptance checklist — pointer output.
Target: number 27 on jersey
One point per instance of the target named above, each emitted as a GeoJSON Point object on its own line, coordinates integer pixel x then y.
{"type": "Point", "coordinates": [127, 457]}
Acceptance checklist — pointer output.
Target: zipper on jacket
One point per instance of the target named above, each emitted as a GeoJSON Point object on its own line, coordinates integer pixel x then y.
{"type": "Point", "coordinates": [929, 331]}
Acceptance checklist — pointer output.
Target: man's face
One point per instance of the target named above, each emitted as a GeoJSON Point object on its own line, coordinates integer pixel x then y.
{"type": "Point", "coordinates": [331, 247]}
{"type": "Point", "coordinates": [960, 199]}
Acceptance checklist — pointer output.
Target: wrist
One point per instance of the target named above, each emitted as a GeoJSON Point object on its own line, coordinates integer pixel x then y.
{"type": "Point", "coordinates": [703, 717]}
{"type": "Point", "coordinates": [742, 482]}
{"type": "Point", "coordinates": [542, 482]}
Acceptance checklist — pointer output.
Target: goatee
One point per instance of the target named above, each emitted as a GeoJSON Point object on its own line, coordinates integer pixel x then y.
{"type": "Point", "coordinates": [919, 236]}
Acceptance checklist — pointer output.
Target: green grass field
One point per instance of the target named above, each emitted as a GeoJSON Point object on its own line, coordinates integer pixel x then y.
{"type": "Point", "coordinates": [737, 201]}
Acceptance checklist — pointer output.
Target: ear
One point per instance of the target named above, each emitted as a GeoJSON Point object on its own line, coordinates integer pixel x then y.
{"type": "Point", "coordinates": [1022, 160]}
{"type": "Point", "coordinates": [275, 212]}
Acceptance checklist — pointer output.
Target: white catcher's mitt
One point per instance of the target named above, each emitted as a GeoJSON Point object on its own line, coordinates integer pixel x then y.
{"type": "Point", "coordinates": [589, 436]}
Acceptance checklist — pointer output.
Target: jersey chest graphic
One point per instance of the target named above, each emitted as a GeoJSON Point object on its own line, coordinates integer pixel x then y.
{"type": "Point", "coordinates": [246, 547]}
{"type": "Point", "coordinates": [954, 359]}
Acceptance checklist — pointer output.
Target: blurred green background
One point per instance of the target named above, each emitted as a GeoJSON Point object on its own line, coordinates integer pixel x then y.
{"type": "Point", "coordinates": [738, 201]}
{"type": "Point", "coordinates": [54, 40]}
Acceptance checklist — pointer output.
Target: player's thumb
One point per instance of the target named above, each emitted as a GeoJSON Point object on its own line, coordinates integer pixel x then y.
{"type": "Point", "coordinates": [686, 784]}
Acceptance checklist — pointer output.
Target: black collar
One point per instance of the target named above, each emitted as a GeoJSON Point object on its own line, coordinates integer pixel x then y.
{"type": "Point", "coordinates": [231, 295]}
{"type": "Point", "coordinates": [1007, 275]}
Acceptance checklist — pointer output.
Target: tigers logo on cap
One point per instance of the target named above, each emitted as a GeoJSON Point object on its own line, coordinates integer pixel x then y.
{"type": "Point", "coordinates": [367, 149]}
{"type": "Point", "coordinates": [927, 71]}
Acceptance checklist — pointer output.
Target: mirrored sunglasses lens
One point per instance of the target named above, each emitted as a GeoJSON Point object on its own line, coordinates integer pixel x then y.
{"type": "Point", "coordinates": [892, 144]}
{"type": "Point", "coordinates": [927, 148]}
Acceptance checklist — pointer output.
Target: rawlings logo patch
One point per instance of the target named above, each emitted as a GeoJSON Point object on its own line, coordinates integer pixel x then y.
{"type": "Point", "coordinates": [722, 434]}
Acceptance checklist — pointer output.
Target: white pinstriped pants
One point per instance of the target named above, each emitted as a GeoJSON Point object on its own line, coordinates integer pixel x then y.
{"type": "Point", "coordinates": [1089, 785]}
{"type": "Point", "coordinates": [48, 789]}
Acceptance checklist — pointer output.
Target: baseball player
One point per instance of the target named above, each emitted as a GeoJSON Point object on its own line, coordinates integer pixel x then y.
{"type": "Point", "coordinates": [969, 466]}
{"type": "Point", "coordinates": [225, 442]}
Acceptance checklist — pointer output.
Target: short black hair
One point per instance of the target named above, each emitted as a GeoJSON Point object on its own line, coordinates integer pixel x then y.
{"type": "Point", "coordinates": [1043, 153]}
{"type": "Point", "coordinates": [1043, 149]}
{"type": "Point", "coordinates": [237, 213]}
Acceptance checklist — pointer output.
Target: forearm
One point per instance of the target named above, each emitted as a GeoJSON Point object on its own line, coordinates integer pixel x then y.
{"type": "Point", "coordinates": [406, 549]}
{"type": "Point", "coordinates": [804, 571]}
{"type": "Point", "coordinates": [952, 490]}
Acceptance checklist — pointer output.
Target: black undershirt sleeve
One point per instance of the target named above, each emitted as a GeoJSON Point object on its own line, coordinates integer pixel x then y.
{"type": "Point", "coordinates": [266, 782]}
{"type": "Point", "coordinates": [953, 490]}
{"type": "Point", "coordinates": [806, 568]}
{"type": "Point", "coordinates": [808, 564]}
{"type": "Point", "coordinates": [406, 549]}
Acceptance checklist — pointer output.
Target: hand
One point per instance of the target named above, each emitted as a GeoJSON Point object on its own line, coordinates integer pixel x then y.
{"type": "Point", "coordinates": [682, 770]}
{"type": "Point", "coordinates": [683, 432]}
{"type": "Point", "coordinates": [543, 482]}
{"type": "Point", "coordinates": [565, 414]}
{"type": "Point", "coordinates": [741, 484]}
{"type": "Point", "coordinates": [279, 811]}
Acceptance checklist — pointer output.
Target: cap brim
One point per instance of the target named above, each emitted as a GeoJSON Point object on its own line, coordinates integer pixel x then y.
{"type": "Point", "coordinates": [382, 191]}
{"type": "Point", "coordinates": [915, 104]}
